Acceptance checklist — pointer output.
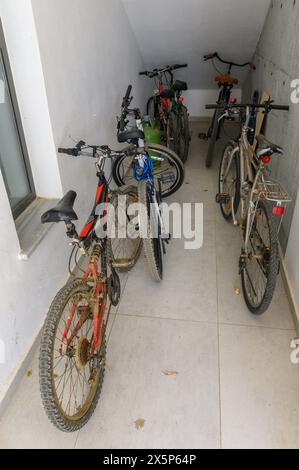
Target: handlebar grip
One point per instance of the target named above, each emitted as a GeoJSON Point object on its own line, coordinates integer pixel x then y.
{"type": "Point", "coordinates": [280, 107]}
{"type": "Point", "coordinates": [178, 66]}
{"type": "Point", "coordinates": [73, 152]}
{"type": "Point", "coordinates": [214, 106]}
{"type": "Point", "coordinates": [128, 92]}
{"type": "Point", "coordinates": [210, 56]}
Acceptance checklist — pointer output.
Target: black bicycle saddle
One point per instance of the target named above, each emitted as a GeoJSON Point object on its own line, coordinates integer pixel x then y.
{"type": "Point", "coordinates": [63, 211]}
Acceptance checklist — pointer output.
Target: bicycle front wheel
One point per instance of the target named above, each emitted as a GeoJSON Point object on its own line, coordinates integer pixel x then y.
{"type": "Point", "coordinates": [259, 268]}
{"type": "Point", "coordinates": [152, 241]}
{"type": "Point", "coordinates": [70, 379]}
{"type": "Point", "coordinates": [214, 136]}
{"type": "Point", "coordinates": [229, 180]}
{"type": "Point", "coordinates": [168, 169]}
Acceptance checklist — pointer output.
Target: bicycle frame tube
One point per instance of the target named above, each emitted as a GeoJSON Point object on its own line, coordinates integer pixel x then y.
{"type": "Point", "coordinates": [101, 196]}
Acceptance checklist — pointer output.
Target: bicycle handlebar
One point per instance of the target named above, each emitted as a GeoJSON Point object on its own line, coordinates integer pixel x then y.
{"type": "Point", "coordinates": [231, 64]}
{"type": "Point", "coordinates": [73, 152]}
{"type": "Point", "coordinates": [267, 106]}
{"type": "Point", "coordinates": [168, 68]}
{"type": "Point", "coordinates": [87, 150]}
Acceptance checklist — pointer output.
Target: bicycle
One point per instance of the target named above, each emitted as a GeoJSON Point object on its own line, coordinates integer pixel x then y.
{"type": "Point", "coordinates": [167, 168]}
{"type": "Point", "coordinates": [226, 83]}
{"type": "Point", "coordinates": [166, 109]}
{"type": "Point", "coordinates": [73, 345]}
{"type": "Point", "coordinates": [148, 184]}
{"type": "Point", "coordinates": [245, 186]}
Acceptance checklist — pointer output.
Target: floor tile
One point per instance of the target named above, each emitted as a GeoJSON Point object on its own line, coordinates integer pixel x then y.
{"type": "Point", "coordinates": [259, 388]}
{"type": "Point", "coordinates": [179, 411]}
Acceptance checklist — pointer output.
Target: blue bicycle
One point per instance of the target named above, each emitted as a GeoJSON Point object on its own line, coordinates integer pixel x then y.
{"type": "Point", "coordinates": [147, 168]}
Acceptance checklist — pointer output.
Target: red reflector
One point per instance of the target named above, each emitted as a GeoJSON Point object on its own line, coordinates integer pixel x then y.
{"type": "Point", "coordinates": [233, 100]}
{"type": "Point", "coordinates": [278, 210]}
{"type": "Point", "coordinates": [181, 99]}
{"type": "Point", "coordinates": [266, 159]}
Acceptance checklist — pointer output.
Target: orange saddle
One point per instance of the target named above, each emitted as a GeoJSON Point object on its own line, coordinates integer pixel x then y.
{"type": "Point", "coordinates": [227, 79]}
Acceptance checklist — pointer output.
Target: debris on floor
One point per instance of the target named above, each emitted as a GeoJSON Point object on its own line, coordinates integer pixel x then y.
{"type": "Point", "coordinates": [169, 373]}
{"type": "Point", "coordinates": [139, 424]}
{"type": "Point", "coordinates": [29, 373]}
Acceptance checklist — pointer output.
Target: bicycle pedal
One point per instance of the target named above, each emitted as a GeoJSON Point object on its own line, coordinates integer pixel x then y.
{"type": "Point", "coordinates": [203, 136]}
{"type": "Point", "coordinates": [222, 198]}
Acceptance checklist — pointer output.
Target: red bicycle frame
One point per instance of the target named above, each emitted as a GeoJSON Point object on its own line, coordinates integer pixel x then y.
{"type": "Point", "coordinates": [99, 297]}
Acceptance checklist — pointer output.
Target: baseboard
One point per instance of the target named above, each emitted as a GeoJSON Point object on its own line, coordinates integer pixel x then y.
{"type": "Point", "coordinates": [289, 291]}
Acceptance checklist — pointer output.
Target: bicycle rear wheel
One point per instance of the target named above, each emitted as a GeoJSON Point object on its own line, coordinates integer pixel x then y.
{"type": "Point", "coordinates": [124, 247]}
{"type": "Point", "coordinates": [152, 243]}
{"type": "Point", "coordinates": [70, 380]}
{"type": "Point", "coordinates": [183, 134]}
{"type": "Point", "coordinates": [168, 169]}
{"type": "Point", "coordinates": [259, 268]}
{"type": "Point", "coordinates": [172, 133]}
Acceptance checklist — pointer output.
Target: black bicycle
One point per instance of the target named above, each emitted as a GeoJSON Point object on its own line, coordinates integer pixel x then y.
{"type": "Point", "coordinates": [226, 83]}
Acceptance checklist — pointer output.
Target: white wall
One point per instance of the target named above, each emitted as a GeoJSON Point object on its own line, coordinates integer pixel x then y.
{"type": "Point", "coordinates": [89, 55]}
{"type": "Point", "coordinates": [196, 100]}
{"type": "Point", "coordinates": [21, 41]}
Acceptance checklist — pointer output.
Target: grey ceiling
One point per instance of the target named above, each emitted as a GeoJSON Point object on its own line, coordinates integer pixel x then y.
{"type": "Point", "coordinates": [170, 31]}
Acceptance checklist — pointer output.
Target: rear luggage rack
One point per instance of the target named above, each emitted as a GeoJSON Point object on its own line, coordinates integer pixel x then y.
{"type": "Point", "coordinates": [272, 191]}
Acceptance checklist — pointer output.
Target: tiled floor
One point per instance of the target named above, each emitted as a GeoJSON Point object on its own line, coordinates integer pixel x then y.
{"type": "Point", "coordinates": [235, 385]}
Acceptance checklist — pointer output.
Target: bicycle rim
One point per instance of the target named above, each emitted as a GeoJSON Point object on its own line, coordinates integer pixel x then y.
{"type": "Point", "coordinates": [169, 170]}
{"type": "Point", "coordinates": [70, 379]}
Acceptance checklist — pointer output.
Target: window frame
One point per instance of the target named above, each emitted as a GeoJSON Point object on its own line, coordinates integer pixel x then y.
{"type": "Point", "coordinates": [26, 201]}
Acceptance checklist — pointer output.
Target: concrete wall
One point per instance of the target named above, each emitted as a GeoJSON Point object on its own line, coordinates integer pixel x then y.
{"type": "Point", "coordinates": [88, 56]}
{"type": "Point", "coordinates": [196, 100]}
{"type": "Point", "coordinates": [277, 60]}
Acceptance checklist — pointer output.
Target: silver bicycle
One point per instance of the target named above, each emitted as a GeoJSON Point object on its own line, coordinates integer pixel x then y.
{"type": "Point", "coordinates": [253, 200]}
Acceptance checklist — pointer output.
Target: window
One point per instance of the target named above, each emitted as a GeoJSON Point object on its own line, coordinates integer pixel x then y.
{"type": "Point", "coordinates": [14, 163]}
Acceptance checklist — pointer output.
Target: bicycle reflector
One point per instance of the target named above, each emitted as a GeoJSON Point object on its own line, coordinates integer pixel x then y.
{"type": "Point", "coordinates": [233, 100]}
{"type": "Point", "coordinates": [266, 159]}
{"type": "Point", "coordinates": [181, 99]}
{"type": "Point", "coordinates": [278, 210]}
